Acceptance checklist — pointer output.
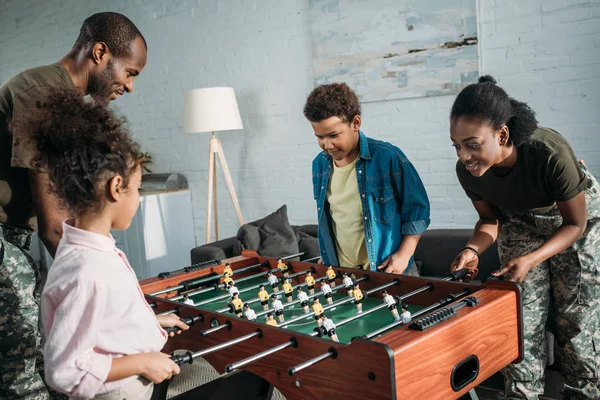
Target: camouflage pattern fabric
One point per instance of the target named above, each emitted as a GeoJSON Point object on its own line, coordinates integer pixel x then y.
{"type": "Point", "coordinates": [21, 369]}
{"type": "Point", "coordinates": [573, 276]}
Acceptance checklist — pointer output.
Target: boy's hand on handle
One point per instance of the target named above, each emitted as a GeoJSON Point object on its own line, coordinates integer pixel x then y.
{"type": "Point", "coordinates": [320, 260]}
{"type": "Point", "coordinates": [466, 259]}
{"type": "Point", "coordinates": [394, 264]}
{"type": "Point", "coordinates": [517, 268]}
{"type": "Point", "coordinates": [171, 320]}
{"type": "Point", "coordinates": [158, 366]}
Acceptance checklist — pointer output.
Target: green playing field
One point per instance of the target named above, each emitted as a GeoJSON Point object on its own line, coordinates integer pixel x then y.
{"type": "Point", "coordinates": [249, 289]}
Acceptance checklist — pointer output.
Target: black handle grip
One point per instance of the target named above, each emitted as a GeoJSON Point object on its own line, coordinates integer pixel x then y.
{"type": "Point", "coordinates": [188, 321]}
{"type": "Point", "coordinates": [186, 358]}
{"type": "Point", "coordinates": [459, 275]}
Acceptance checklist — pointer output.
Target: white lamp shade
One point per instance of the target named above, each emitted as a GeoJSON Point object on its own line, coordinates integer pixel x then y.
{"type": "Point", "coordinates": [210, 110]}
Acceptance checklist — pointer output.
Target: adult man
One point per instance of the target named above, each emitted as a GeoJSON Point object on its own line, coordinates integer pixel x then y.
{"type": "Point", "coordinates": [109, 52]}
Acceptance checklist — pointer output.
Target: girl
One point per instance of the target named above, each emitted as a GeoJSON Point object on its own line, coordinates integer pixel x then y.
{"type": "Point", "coordinates": [543, 207]}
{"type": "Point", "coordinates": [103, 339]}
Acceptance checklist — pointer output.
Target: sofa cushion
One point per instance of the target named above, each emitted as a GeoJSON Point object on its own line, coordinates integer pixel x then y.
{"type": "Point", "coordinates": [437, 249]}
{"type": "Point", "coordinates": [271, 236]}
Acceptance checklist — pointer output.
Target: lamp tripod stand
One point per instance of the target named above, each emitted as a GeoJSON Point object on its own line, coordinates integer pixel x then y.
{"type": "Point", "coordinates": [215, 149]}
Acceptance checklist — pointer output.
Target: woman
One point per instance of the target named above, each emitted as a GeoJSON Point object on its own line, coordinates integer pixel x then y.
{"type": "Point", "coordinates": [543, 207]}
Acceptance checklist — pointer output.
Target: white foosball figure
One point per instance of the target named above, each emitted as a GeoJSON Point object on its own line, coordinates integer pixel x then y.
{"type": "Point", "coordinates": [249, 313]}
{"type": "Point", "coordinates": [329, 328]}
{"type": "Point", "coordinates": [303, 298]}
{"type": "Point", "coordinates": [274, 281]}
{"type": "Point", "coordinates": [277, 307]}
{"type": "Point", "coordinates": [391, 303]}
{"type": "Point", "coordinates": [327, 292]}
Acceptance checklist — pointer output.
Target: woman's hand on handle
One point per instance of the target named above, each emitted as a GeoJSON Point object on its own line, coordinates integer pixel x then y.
{"type": "Point", "coordinates": [466, 259]}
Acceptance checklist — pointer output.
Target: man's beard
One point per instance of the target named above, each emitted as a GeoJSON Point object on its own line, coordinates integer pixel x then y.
{"type": "Point", "coordinates": [100, 85]}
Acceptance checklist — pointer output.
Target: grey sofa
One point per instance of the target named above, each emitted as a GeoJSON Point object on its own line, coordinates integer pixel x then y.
{"type": "Point", "coordinates": [436, 250]}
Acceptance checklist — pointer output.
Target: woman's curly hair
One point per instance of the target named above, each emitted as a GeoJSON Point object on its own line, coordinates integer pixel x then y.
{"type": "Point", "coordinates": [333, 100]}
{"type": "Point", "coordinates": [81, 145]}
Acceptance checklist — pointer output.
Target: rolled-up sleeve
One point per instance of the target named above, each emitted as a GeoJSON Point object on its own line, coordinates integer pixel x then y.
{"type": "Point", "coordinates": [414, 204]}
{"type": "Point", "coordinates": [72, 319]}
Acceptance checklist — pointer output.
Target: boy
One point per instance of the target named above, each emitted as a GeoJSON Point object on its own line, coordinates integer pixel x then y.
{"type": "Point", "coordinates": [371, 204]}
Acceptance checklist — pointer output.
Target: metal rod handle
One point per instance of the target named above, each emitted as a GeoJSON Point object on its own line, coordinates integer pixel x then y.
{"type": "Point", "coordinates": [332, 353]}
{"type": "Point", "coordinates": [233, 366]}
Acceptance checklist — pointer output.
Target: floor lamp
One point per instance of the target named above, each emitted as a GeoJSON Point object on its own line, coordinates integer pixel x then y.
{"type": "Point", "coordinates": [212, 110]}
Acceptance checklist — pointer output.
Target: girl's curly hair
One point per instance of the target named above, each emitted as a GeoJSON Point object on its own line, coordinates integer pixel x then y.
{"type": "Point", "coordinates": [81, 145]}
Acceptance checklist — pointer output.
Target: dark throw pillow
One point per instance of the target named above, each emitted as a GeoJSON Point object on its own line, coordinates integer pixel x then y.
{"type": "Point", "coordinates": [271, 236]}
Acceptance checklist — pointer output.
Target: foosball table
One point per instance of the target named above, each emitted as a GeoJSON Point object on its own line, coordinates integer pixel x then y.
{"type": "Point", "coordinates": [372, 335]}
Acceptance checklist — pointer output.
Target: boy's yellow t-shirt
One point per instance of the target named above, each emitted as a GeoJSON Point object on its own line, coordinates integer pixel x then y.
{"type": "Point", "coordinates": [347, 217]}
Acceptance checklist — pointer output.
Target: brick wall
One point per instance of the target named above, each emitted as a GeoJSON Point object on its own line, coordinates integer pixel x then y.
{"type": "Point", "coordinates": [543, 52]}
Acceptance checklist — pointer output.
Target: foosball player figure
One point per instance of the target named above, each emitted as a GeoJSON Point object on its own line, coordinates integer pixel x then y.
{"type": "Point", "coordinates": [329, 327]}
{"type": "Point", "coordinates": [348, 284]}
{"type": "Point", "coordinates": [249, 313]}
{"type": "Point", "coordinates": [289, 290]}
{"type": "Point", "coordinates": [270, 320]}
{"type": "Point", "coordinates": [264, 297]}
{"type": "Point", "coordinates": [188, 301]}
{"type": "Point", "coordinates": [227, 270]}
{"type": "Point", "coordinates": [331, 275]}
{"type": "Point", "coordinates": [274, 281]}
{"type": "Point", "coordinates": [283, 267]}
{"type": "Point", "coordinates": [391, 303]}
{"type": "Point", "coordinates": [226, 281]}
{"type": "Point", "coordinates": [232, 288]}
{"type": "Point", "coordinates": [277, 307]}
{"type": "Point", "coordinates": [237, 304]}
{"type": "Point", "coordinates": [406, 316]}
{"type": "Point", "coordinates": [310, 283]}
{"type": "Point", "coordinates": [303, 298]}
{"type": "Point", "coordinates": [327, 292]}
{"type": "Point", "coordinates": [318, 310]}
{"type": "Point", "coordinates": [358, 297]}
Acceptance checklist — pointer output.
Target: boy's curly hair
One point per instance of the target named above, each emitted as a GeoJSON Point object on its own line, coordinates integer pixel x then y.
{"type": "Point", "coordinates": [81, 145]}
{"type": "Point", "coordinates": [333, 100]}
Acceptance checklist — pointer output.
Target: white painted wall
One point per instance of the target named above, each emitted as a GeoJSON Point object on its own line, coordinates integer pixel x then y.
{"type": "Point", "coordinates": [545, 52]}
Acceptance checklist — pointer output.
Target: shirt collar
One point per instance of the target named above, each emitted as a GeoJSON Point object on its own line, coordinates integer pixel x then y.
{"type": "Point", "coordinates": [364, 146]}
{"type": "Point", "coordinates": [73, 235]}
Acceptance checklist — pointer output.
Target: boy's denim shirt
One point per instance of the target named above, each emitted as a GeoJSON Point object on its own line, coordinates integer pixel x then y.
{"type": "Point", "coordinates": [394, 201]}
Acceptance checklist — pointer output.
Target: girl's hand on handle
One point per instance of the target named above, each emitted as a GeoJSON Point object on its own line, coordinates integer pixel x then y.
{"type": "Point", "coordinates": [158, 366]}
{"type": "Point", "coordinates": [172, 320]}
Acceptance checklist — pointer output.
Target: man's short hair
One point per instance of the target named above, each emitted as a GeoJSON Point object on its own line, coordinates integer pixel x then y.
{"type": "Point", "coordinates": [114, 29]}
